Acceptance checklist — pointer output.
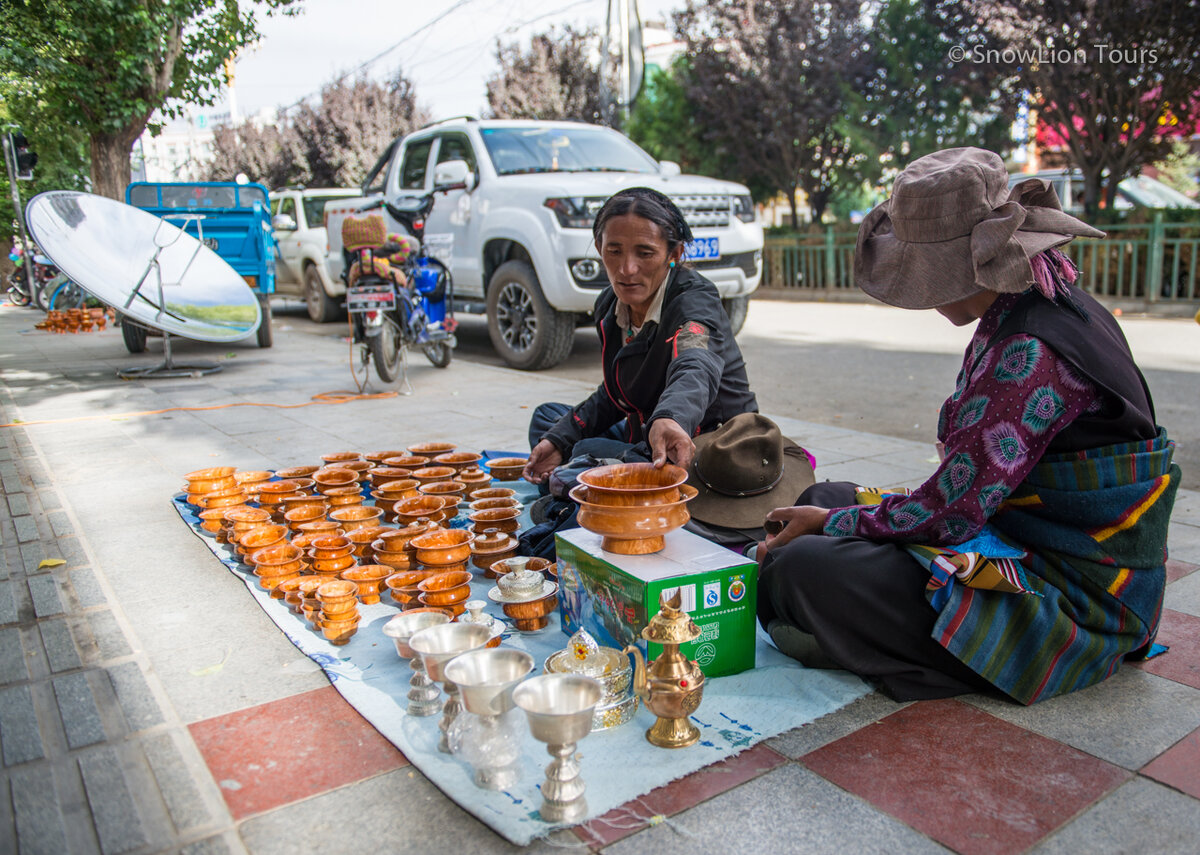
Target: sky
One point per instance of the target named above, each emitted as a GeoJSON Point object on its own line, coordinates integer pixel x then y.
{"type": "Point", "coordinates": [446, 47]}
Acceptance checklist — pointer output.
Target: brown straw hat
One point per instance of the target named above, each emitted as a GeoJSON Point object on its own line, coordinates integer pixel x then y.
{"type": "Point", "coordinates": [744, 469]}
{"type": "Point", "coordinates": [952, 228]}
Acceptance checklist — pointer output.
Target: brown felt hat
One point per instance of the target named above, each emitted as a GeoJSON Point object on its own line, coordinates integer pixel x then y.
{"type": "Point", "coordinates": [952, 228]}
{"type": "Point", "coordinates": [744, 469]}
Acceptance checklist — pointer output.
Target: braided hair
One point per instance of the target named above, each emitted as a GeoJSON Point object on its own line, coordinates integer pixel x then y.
{"type": "Point", "coordinates": [648, 204]}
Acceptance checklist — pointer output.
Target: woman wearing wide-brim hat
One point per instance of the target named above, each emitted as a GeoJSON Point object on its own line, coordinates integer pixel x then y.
{"type": "Point", "coordinates": [1032, 561]}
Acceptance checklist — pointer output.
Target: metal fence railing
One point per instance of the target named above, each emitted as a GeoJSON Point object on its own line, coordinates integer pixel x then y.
{"type": "Point", "coordinates": [1155, 262]}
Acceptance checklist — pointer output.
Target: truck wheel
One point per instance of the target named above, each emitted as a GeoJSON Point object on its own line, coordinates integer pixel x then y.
{"type": "Point", "coordinates": [265, 337]}
{"type": "Point", "coordinates": [321, 307]}
{"type": "Point", "coordinates": [526, 331]}
{"type": "Point", "coordinates": [736, 308]}
{"type": "Point", "coordinates": [133, 334]}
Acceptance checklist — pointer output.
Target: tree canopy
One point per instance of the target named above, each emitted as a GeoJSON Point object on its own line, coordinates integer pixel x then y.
{"type": "Point", "coordinates": [107, 66]}
{"type": "Point", "coordinates": [554, 78]}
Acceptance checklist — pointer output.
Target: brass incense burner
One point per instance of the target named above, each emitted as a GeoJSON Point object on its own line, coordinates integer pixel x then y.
{"type": "Point", "coordinates": [673, 687]}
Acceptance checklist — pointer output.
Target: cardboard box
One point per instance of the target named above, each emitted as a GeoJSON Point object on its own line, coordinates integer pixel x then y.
{"type": "Point", "coordinates": [614, 596]}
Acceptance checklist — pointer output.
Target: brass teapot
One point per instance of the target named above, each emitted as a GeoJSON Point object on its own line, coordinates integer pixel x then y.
{"type": "Point", "coordinates": [675, 683]}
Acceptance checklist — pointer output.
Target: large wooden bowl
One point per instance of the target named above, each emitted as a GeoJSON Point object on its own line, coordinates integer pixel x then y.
{"type": "Point", "coordinates": [632, 529]}
{"type": "Point", "coordinates": [624, 484]}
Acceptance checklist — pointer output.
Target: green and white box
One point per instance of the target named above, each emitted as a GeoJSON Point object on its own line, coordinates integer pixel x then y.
{"type": "Point", "coordinates": [614, 596]}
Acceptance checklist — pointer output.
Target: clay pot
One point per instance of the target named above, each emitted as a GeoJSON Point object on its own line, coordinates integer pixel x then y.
{"type": "Point", "coordinates": [632, 484]}
{"type": "Point", "coordinates": [210, 480]}
{"type": "Point", "coordinates": [296, 471]}
{"type": "Point", "coordinates": [430, 474]}
{"type": "Point", "coordinates": [369, 578]}
{"type": "Point", "coordinates": [458, 460]}
{"type": "Point", "coordinates": [507, 468]}
{"type": "Point", "coordinates": [504, 519]}
{"type": "Point", "coordinates": [431, 449]}
{"type": "Point", "coordinates": [447, 546]}
{"type": "Point", "coordinates": [352, 517]}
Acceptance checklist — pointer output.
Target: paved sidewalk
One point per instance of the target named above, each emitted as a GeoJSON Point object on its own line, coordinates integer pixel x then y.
{"type": "Point", "coordinates": [147, 704]}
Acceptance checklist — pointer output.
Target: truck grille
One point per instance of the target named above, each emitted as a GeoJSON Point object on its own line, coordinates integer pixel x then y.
{"type": "Point", "coordinates": [706, 211]}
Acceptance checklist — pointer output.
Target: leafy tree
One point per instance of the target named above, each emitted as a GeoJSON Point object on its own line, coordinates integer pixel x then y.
{"type": "Point", "coordinates": [62, 152]}
{"type": "Point", "coordinates": [770, 80]}
{"type": "Point", "coordinates": [1180, 169]}
{"type": "Point", "coordinates": [916, 99]}
{"type": "Point", "coordinates": [554, 78]}
{"type": "Point", "coordinates": [107, 66]}
{"type": "Point", "coordinates": [1116, 80]}
{"type": "Point", "coordinates": [328, 144]}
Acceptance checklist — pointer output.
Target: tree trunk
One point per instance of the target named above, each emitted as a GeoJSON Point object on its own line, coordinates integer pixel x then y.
{"type": "Point", "coordinates": [1091, 190]}
{"type": "Point", "coordinates": [110, 163]}
{"type": "Point", "coordinates": [791, 194]}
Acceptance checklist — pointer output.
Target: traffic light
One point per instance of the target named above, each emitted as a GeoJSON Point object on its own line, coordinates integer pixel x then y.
{"type": "Point", "coordinates": [25, 157]}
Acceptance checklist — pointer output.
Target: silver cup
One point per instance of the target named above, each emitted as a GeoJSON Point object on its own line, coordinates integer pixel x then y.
{"type": "Point", "coordinates": [486, 679]}
{"type": "Point", "coordinates": [559, 709]}
{"type": "Point", "coordinates": [422, 693]}
{"type": "Point", "coordinates": [437, 645]}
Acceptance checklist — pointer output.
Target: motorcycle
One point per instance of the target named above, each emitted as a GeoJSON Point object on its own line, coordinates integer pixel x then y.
{"type": "Point", "coordinates": [397, 295]}
{"type": "Point", "coordinates": [19, 291]}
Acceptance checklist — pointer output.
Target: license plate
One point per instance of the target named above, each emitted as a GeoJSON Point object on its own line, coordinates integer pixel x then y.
{"type": "Point", "coordinates": [370, 298]}
{"type": "Point", "coordinates": [703, 249]}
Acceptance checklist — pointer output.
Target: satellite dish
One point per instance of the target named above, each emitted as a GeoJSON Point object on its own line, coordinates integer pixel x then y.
{"type": "Point", "coordinates": [147, 268]}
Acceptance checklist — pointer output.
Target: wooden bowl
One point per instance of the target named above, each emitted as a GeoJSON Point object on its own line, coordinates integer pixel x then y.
{"type": "Point", "coordinates": [431, 449]}
{"type": "Point", "coordinates": [330, 566]}
{"type": "Point", "coordinates": [401, 538]}
{"type": "Point", "coordinates": [504, 519]}
{"type": "Point", "coordinates": [272, 583]}
{"type": "Point", "coordinates": [340, 456]}
{"type": "Point", "coordinates": [507, 565]}
{"type": "Point", "coordinates": [433, 569]}
{"type": "Point", "coordinates": [352, 517]}
{"type": "Point", "coordinates": [369, 578]}
{"type": "Point", "coordinates": [319, 528]}
{"type": "Point", "coordinates": [261, 537]}
{"type": "Point", "coordinates": [332, 546]}
{"type": "Point", "coordinates": [278, 489]}
{"type": "Point", "coordinates": [447, 597]}
{"type": "Point", "coordinates": [450, 489]}
{"type": "Point", "coordinates": [398, 561]}
{"type": "Point", "coordinates": [474, 477]}
{"type": "Point", "coordinates": [302, 500]}
{"type": "Point", "coordinates": [383, 474]}
{"type": "Point", "coordinates": [430, 474]}
{"type": "Point", "coordinates": [532, 615]}
{"type": "Point", "coordinates": [445, 546]}
{"type": "Point", "coordinates": [338, 590]}
{"type": "Point", "coordinates": [279, 560]}
{"type": "Point", "coordinates": [408, 462]}
{"type": "Point", "coordinates": [305, 485]}
{"type": "Point", "coordinates": [297, 517]}
{"type": "Point", "coordinates": [492, 546]}
{"type": "Point", "coordinates": [632, 529]}
{"type": "Point", "coordinates": [296, 471]}
{"type": "Point", "coordinates": [377, 457]}
{"type": "Point", "coordinates": [398, 488]}
{"type": "Point", "coordinates": [360, 468]}
{"type": "Point", "coordinates": [491, 493]}
{"type": "Point", "coordinates": [290, 590]}
{"type": "Point", "coordinates": [444, 581]}
{"type": "Point", "coordinates": [341, 610]}
{"type": "Point", "coordinates": [455, 609]}
{"type": "Point", "coordinates": [340, 497]}
{"type": "Point", "coordinates": [210, 521]}
{"type": "Point", "coordinates": [210, 480]}
{"type": "Point", "coordinates": [339, 632]}
{"type": "Point", "coordinates": [363, 537]}
{"type": "Point", "coordinates": [637, 484]}
{"type": "Point", "coordinates": [226, 498]}
{"type": "Point", "coordinates": [495, 502]}
{"type": "Point", "coordinates": [458, 460]}
{"type": "Point", "coordinates": [250, 480]}
{"type": "Point", "coordinates": [328, 479]}
{"type": "Point", "coordinates": [434, 508]}
{"type": "Point", "coordinates": [507, 468]}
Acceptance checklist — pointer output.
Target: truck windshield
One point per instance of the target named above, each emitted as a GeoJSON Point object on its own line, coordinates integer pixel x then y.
{"type": "Point", "coordinates": [556, 149]}
{"type": "Point", "coordinates": [314, 207]}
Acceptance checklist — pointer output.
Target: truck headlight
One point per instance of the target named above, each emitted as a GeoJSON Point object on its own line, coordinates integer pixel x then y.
{"type": "Point", "coordinates": [586, 269]}
{"type": "Point", "coordinates": [743, 208]}
{"type": "Point", "coordinates": [575, 212]}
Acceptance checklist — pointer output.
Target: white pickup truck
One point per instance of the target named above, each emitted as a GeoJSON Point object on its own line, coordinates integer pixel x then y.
{"type": "Point", "coordinates": [301, 268]}
{"type": "Point", "coordinates": [517, 238]}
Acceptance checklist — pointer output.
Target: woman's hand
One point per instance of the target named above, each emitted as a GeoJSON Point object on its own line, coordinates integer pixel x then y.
{"type": "Point", "coordinates": [669, 440]}
{"type": "Point", "coordinates": [798, 520]}
{"type": "Point", "coordinates": [542, 460]}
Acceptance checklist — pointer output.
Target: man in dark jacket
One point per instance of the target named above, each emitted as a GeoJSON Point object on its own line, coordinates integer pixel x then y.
{"type": "Point", "coordinates": [672, 369]}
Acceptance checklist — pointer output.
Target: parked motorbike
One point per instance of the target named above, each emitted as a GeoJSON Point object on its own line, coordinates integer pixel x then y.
{"type": "Point", "coordinates": [19, 292]}
{"type": "Point", "coordinates": [397, 296]}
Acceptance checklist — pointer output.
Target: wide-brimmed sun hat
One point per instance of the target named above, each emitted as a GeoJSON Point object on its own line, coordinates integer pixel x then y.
{"type": "Point", "coordinates": [953, 228]}
{"type": "Point", "coordinates": [745, 469]}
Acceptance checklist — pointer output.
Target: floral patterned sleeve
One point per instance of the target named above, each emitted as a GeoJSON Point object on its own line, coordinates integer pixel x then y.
{"type": "Point", "coordinates": [995, 429]}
